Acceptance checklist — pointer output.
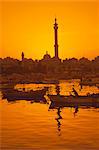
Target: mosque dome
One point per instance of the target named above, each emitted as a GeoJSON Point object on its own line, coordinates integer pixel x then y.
{"type": "Point", "coordinates": [46, 56]}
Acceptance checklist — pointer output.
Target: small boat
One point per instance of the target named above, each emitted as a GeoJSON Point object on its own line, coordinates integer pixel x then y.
{"type": "Point", "coordinates": [13, 94]}
{"type": "Point", "coordinates": [72, 101]}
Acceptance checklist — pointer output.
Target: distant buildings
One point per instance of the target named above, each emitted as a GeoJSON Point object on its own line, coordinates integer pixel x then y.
{"type": "Point", "coordinates": [53, 65]}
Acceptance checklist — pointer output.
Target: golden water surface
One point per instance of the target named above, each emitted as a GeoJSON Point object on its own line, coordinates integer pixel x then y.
{"type": "Point", "coordinates": [33, 126]}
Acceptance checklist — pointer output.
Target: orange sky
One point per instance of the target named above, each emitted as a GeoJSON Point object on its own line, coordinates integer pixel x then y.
{"type": "Point", "coordinates": [28, 26]}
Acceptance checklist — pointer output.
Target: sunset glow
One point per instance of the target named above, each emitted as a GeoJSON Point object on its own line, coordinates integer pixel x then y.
{"type": "Point", "coordinates": [28, 26]}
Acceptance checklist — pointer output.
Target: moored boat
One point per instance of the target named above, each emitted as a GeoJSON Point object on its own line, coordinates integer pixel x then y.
{"type": "Point", "coordinates": [13, 94]}
{"type": "Point", "coordinates": [90, 100]}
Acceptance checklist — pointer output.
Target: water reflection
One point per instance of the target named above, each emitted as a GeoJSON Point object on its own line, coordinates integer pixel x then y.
{"type": "Point", "coordinates": [76, 110]}
{"type": "Point", "coordinates": [64, 87]}
{"type": "Point", "coordinates": [59, 117]}
{"type": "Point", "coordinates": [34, 125]}
{"type": "Point", "coordinates": [33, 121]}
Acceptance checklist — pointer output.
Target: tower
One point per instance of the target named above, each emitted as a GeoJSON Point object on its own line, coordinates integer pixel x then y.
{"type": "Point", "coordinates": [22, 55]}
{"type": "Point", "coordinates": [56, 39]}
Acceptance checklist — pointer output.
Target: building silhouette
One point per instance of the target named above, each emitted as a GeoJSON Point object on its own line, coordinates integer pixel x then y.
{"type": "Point", "coordinates": [47, 58]}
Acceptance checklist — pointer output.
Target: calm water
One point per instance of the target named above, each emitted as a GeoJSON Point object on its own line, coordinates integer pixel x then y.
{"type": "Point", "coordinates": [33, 126]}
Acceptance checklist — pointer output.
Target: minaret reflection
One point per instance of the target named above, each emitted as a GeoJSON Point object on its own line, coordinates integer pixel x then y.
{"type": "Point", "coordinates": [76, 110]}
{"type": "Point", "coordinates": [58, 120]}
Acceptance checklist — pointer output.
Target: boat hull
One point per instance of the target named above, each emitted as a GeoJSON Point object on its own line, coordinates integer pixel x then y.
{"type": "Point", "coordinates": [12, 94]}
{"type": "Point", "coordinates": [72, 101]}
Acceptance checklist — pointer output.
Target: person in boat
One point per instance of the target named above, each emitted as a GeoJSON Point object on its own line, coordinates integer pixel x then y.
{"type": "Point", "coordinates": [75, 92]}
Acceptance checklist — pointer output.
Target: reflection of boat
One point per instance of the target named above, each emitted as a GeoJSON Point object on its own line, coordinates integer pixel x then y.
{"type": "Point", "coordinates": [13, 94]}
{"type": "Point", "coordinates": [72, 101]}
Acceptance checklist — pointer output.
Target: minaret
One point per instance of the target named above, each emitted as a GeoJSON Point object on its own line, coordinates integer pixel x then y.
{"type": "Point", "coordinates": [56, 39]}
